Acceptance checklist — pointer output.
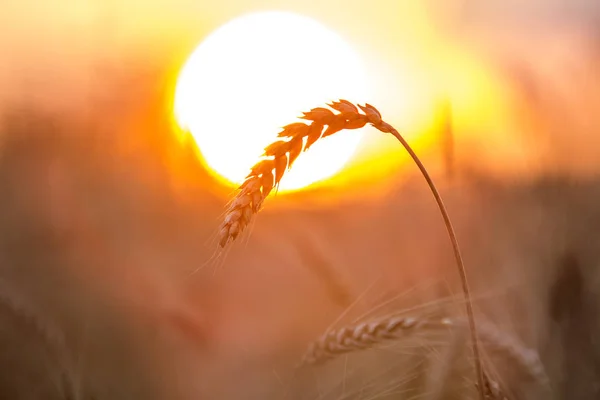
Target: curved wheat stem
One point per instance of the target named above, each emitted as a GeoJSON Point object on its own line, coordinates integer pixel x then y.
{"type": "Point", "coordinates": [298, 137]}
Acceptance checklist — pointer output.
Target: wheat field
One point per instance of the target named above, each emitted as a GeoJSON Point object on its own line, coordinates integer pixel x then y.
{"type": "Point", "coordinates": [127, 272]}
{"type": "Point", "coordinates": [108, 306]}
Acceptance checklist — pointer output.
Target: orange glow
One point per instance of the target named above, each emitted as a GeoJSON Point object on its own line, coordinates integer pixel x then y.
{"type": "Point", "coordinates": [409, 68]}
{"type": "Point", "coordinates": [256, 74]}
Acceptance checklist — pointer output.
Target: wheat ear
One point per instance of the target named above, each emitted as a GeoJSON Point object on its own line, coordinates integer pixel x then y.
{"type": "Point", "coordinates": [366, 335]}
{"type": "Point", "coordinates": [526, 359]}
{"type": "Point", "coordinates": [298, 137]}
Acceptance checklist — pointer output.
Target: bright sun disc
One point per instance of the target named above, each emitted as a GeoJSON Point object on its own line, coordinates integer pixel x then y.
{"type": "Point", "coordinates": [256, 74]}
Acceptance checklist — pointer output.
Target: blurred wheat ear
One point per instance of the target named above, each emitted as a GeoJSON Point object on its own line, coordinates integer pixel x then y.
{"type": "Point", "coordinates": [367, 335]}
{"type": "Point", "coordinates": [298, 137]}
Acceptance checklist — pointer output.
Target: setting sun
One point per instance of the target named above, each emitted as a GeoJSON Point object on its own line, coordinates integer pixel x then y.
{"type": "Point", "coordinates": [256, 74]}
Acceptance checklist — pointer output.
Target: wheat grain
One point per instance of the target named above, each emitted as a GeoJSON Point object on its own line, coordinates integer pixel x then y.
{"type": "Point", "coordinates": [367, 335]}
{"type": "Point", "coordinates": [280, 155]}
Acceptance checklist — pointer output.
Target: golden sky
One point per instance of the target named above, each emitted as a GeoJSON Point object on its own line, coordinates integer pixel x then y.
{"type": "Point", "coordinates": [413, 53]}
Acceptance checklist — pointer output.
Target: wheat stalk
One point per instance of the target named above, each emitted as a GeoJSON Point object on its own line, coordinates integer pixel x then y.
{"type": "Point", "coordinates": [298, 137]}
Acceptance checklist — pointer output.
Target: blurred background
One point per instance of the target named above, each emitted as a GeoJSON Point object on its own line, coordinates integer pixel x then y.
{"type": "Point", "coordinates": [111, 281]}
